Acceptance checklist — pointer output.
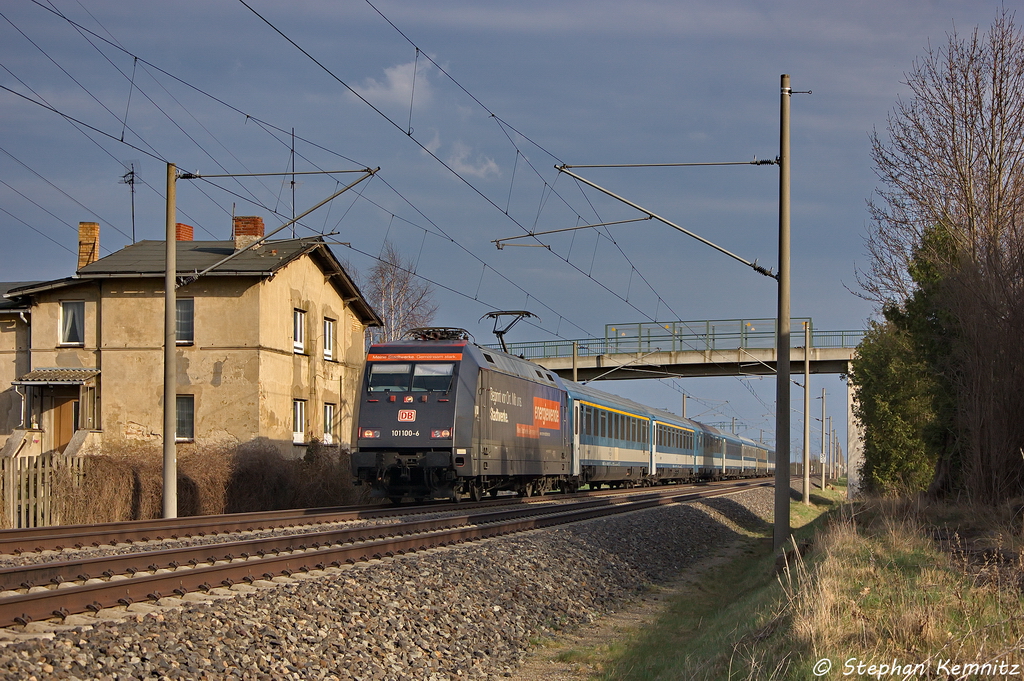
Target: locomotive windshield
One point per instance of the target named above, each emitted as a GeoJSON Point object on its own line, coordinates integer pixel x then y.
{"type": "Point", "coordinates": [420, 377]}
{"type": "Point", "coordinates": [389, 378]}
{"type": "Point", "coordinates": [432, 377]}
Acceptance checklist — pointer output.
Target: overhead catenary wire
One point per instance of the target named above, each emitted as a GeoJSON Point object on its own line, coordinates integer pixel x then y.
{"type": "Point", "coordinates": [266, 125]}
{"type": "Point", "coordinates": [503, 125]}
{"type": "Point", "coordinates": [263, 124]}
{"type": "Point", "coordinates": [422, 146]}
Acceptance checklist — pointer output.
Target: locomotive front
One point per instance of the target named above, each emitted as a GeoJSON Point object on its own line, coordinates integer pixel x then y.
{"type": "Point", "coordinates": [413, 437]}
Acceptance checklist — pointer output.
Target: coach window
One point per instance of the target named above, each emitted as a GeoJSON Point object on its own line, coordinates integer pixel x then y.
{"type": "Point", "coordinates": [389, 377]}
{"type": "Point", "coordinates": [432, 377]}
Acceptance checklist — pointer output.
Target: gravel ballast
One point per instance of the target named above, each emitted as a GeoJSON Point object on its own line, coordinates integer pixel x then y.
{"type": "Point", "coordinates": [464, 612]}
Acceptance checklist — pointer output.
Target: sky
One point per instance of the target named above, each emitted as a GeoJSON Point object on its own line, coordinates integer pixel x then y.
{"type": "Point", "coordinates": [467, 107]}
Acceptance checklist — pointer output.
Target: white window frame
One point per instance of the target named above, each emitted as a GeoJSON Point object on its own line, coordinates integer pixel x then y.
{"type": "Point", "coordinates": [299, 422]}
{"type": "Point", "coordinates": [329, 327]}
{"type": "Point", "coordinates": [329, 411]}
{"type": "Point", "coordinates": [179, 400]}
{"type": "Point", "coordinates": [299, 331]}
{"type": "Point", "coordinates": [63, 329]}
{"type": "Point", "coordinates": [178, 304]}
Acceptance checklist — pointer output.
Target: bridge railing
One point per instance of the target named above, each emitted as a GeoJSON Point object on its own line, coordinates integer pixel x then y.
{"type": "Point", "coordinates": [694, 336]}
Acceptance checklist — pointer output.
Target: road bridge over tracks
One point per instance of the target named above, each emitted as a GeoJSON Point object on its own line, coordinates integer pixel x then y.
{"type": "Point", "coordinates": [687, 349]}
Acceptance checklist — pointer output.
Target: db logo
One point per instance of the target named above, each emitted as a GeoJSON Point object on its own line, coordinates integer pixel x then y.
{"type": "Point", "coordinates": [406, 414]}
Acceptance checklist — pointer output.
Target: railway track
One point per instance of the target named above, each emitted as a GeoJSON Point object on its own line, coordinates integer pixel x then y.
{"type": "Point", "coordinates": [62, 587]}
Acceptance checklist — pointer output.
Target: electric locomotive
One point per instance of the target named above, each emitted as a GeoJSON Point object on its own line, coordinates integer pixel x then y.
{"type": "Point", "coordinates": [441, 417]}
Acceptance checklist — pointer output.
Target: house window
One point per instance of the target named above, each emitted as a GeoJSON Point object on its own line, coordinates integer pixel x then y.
{"type": "Point", "coordinates": [184, 314]}
{"type": "Point", "coordinates": [72, 322]}
{"type": "Point", "coordinates": [328, 424]}
{"type": "Point", "coordinates": [185, 418]}
{"type": "Point", "coordinates": [299, 331]}
{"type": "Point", "coordinates": [328, 339]}
{"type": "Point", "coordinates": [298, 422]}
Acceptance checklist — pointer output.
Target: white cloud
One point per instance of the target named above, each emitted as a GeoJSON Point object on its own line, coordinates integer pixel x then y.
{"type": "Point", "coordinates": [434, 144]}
{"type": "Point", "coordinates": [397, 86]}
{"type": "Point", "coordinates": [481, 167]}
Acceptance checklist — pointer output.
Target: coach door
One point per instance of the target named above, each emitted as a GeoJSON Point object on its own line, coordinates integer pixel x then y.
{"type": "Point", "coordinates": [576, 438]}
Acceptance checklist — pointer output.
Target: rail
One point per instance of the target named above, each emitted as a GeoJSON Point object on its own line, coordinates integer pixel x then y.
{"type": "Point", "coordinates": [250, 561]}
{"type": "Point", "coordinates": [692, 336]}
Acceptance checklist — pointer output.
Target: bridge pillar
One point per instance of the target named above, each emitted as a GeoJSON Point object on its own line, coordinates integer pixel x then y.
{"type": "Point", "coordinates": [854, 442]}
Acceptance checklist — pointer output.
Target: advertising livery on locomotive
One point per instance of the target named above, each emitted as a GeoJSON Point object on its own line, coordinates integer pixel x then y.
{"type": "Point", "coordinates": [442, 417]}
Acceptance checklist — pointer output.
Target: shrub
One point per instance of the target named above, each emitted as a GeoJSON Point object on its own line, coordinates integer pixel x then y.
{"type": "Point", "coordinates": [127, 484]}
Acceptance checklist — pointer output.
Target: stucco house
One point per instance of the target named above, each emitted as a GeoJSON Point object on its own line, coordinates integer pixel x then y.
{"type": "Point", "coordinates": [269, 347]}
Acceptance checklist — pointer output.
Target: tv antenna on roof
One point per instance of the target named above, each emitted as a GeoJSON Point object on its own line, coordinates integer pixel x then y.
{"type": "Point", "coordinates": [516, 316]}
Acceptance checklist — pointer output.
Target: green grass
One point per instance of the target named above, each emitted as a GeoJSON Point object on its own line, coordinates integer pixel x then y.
{"type": "Point", "coordinates": [734, 601]}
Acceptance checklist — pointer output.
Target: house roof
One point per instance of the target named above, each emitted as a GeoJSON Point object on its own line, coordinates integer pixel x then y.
{"type": "Point", "coordinates": [147, 258]}
{"type": "Point", "coordinates": [57, 376]}
{"type": "Point", "coordinates": [14, 303]}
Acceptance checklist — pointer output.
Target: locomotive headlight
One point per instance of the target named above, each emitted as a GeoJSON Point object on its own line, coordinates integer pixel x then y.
{"type": "Point", "coordinates": [441, 434]}
{"type": "Point", "coordinates": [369, 434]}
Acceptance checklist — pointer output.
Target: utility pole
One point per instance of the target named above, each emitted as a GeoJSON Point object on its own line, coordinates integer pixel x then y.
{"type": "Point", "coordinates": [807, 413]}
{"type": "Point", "coordinates": [782, 330]}
{"type": "Point", "coordinates": [170, 350]}
{"type": "Point", "coordinates": [684, 406]}
{"type": "Point", "coordinates": [170, 468]}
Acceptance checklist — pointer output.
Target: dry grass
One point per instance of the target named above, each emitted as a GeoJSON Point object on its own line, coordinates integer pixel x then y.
{"type": "Point", "coordinates": [885, 579]}
{"type": "Point", "coordinates": [883, 588]}
{"type": "Point", "coordinates": [128, 484]}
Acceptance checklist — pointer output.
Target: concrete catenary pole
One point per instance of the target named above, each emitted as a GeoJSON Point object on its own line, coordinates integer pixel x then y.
{"type": "Point", "coordinates": [782, 453]}
{"type": "Point", "coordinates": [807, 413]}
{"type": "Point", "coordinates": [170, 350]}
{"type": "Point", "coordinates": [837, 465]}
{"type": "Point", "coordinates": [575, 361]}
{"type": "Point", "coordinates": [828, 452]}
{"type": "Point", "coordinates": [822, 457]}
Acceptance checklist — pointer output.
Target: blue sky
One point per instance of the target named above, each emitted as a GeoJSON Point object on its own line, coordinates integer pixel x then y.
{"type": "Point", "coordinates": [502, 93]}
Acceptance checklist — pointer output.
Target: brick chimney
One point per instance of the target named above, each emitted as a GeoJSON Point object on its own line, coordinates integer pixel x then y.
{"type": "Point", "coordinates": [88, 243]}
{"type": "Point", "coordinates": [246, 229]}
{"type": "Point", "coordinates": [183, 232]}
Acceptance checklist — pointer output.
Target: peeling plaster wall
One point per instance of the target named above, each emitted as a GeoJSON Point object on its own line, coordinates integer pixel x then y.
{"type": "Point", "coordinates": [13, 363]}
{"type": "Point", "coordinates": [241, 367]}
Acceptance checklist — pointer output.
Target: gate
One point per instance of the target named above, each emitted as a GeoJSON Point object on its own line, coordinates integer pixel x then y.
{"type": "Point", "coordinates": [27, 490]}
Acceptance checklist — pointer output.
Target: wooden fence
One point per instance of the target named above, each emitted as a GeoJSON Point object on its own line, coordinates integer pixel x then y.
{"type": "Point", "coordinates": [27, 496]}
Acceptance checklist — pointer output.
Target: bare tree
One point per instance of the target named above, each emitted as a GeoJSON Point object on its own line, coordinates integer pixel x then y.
{"type": "Point", "coordinates": [403, 300]}
{"type": "Point", "coordinates": [953, 168]}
